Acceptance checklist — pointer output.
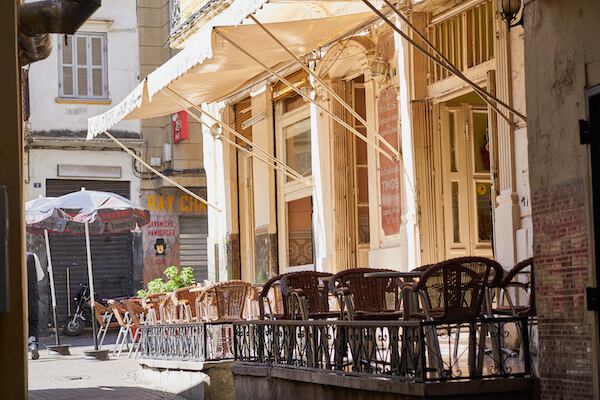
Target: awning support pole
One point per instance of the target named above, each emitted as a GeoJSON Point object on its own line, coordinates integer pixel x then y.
{"type": "Point", "coordinates": [444, 63]}
{"type": "Point", "coordinates": [300, 178]}
{"type": "Point", "coordinates": [329, 90]}
{"type": "Point", "coordinates": [290, 171]}
{"type": "Point", "coordinates": [307, 98]}
{"type": "Point", "coordinates": [145, 164]}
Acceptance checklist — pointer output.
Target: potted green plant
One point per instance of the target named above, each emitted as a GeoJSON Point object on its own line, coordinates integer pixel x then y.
{"type": "Point", "coordinates": [177, 279]}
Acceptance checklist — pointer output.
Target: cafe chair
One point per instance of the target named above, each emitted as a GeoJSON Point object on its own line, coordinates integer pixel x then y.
{"type": "Point", "coordinates": [361, 298]}
{"type": "Point", "coordinates": [307, 295]}
{"type": "Point", "coordinates": [517, 298]}
{"type": "Point", "coordinates": [455, 292]}
{"type": "Point", "coordinates": [271, 303]}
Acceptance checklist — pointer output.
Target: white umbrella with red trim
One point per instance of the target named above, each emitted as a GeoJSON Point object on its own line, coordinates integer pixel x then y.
{"type": "Point", "coordinates": [85, 212]}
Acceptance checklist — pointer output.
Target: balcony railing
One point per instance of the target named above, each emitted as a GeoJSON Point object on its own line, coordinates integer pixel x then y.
{"type": "Point", "coordinates": [406, 350]}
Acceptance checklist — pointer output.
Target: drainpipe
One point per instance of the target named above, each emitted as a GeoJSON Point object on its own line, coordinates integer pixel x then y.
{"type": "Point", "coordinates": [39, 19]}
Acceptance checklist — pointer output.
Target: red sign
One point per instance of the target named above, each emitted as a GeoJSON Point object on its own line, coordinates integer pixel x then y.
{"type": "Point", "coordinates": [389, 173]}
{"type": "Point", "coordinates": [179, 122]}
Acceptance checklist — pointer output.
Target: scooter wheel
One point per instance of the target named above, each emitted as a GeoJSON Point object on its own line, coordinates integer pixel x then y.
{"type": "Point", "coordinates": [74, 326]}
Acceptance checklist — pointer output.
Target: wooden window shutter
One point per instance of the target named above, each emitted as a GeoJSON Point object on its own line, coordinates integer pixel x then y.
{"type": "Point", "coordinates": [243, 112]}
{"type": "Point", "coordinates": [298, 79]}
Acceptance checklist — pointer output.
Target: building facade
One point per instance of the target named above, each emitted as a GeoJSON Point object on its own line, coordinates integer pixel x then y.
{"type": "Point", "coordinates": [84, 75]}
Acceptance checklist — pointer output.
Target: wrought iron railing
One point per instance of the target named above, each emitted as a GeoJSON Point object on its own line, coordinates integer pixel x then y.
{"type": "Point", "coordinates": [191, 342]}
{"type": "Point", "coordinates": [407, 350]}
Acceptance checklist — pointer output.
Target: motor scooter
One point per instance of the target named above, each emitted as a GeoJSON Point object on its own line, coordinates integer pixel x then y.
{"type": "Point", "coordinates": [76, 323]}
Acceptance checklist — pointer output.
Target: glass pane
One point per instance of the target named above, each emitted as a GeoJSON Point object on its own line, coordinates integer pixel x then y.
{"type": "Point", "coordinates": [68, 81]}
{"type": "Point", "coordinates": [484, 211]}
{"type": "Point", "coordinates": [361, 148]}
{"type": "Point", "coordinates": [81, 51]}
{"type": "Point", "coordinates": [96, 51]}
{"type": "Point", "coordinates": [299, 219]}
{"type": "Point", "coordinates": [452, 144]}
{"type": "Point", "coordinates": [82, 81]}
{"type": "Point", "coordinates": [481, 147]}
{"type": "Point", "coordinates": [297, 147]}
{"type": "Point", "coordinates": [363, 224]}
{"type": "Point", "coordinates": [455, 214]}
{"type": "Point", "coordinates": [362, 183]}
{"type": "Point", "coordinates": [67, 50]}
{"type": "Point", "coordinates": [97, 82]}
{"type": "Point", "coordinates": [359, 103]}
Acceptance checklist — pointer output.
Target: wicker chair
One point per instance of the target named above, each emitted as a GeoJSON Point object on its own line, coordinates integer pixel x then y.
{"type": "Point", "coordinates": [306, 297]}
{"type": "Point", "coordinates": [517, 299]}
{"type": "Point", "coordinates": [104, 317]}
{"type": "Point", "coordinates": [137, 315]}
{"type": "Point", "coordinates": [366, 298]}
{"type": "Point", "coordinates": [229, 299]}
{"type": "Point", "coordinates": [455, 291]}
{"type": "Point", "coordinates": [153, 303]}
{"type": "Point", "coordinates": [183, 300]}
{"type": "Point", "coordinates": [125, 335]}
{"type": "Point", "coordinates": [271, 297]}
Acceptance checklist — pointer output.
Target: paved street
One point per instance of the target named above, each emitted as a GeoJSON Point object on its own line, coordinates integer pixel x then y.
{"type": "Point", "coordinates": [73, 377]}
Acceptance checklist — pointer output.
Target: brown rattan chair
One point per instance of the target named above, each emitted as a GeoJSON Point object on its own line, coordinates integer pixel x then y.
{"type": "Point", "coordinates": [517, 299]}
{"type": "Point", "coordinates": [454, 291]}
{"type": "Point", "coordinates": [137, 315]}
{"type": "Point", "coordinates": [362, 298]}
{"type": "Point", "coordinates": [184, 300]}
{"type": "Point", "coordinates": [228, 298]}
{"type": "Point", "coordinates": [104, 317]}
{"type": "Point", "coordinates": [125, 335]}
{"type": "Point", "coordinates": [271, 298]}
{"type": "Point", "coordinates": [306, 296]}
{"type": "Point", "coordinates": [153, 303]}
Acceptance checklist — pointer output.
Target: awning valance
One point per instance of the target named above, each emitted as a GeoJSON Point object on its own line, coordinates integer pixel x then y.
{"type": "Point", "coordinates": [211, 68]}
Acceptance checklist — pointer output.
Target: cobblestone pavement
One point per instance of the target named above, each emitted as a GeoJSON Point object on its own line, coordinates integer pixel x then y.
{"type": "Point", "coordinates": [54, 377]}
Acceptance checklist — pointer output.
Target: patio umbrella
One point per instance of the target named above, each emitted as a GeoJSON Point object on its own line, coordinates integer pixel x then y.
{"type": "Point", "coordinates": [31, 206]}
{"type": "Point", "coordinates": [85, 212]}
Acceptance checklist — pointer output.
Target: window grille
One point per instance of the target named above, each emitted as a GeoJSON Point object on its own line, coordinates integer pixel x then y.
{"type": "Point", "coordinates": [466, 39]}
{"type": "Point", "coordinates": [82, 66]}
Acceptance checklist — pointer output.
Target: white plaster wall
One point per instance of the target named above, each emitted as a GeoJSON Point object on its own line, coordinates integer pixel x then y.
{"type": "Point", "coordinates": [123, 73]}
{"type": "Point", "coordinates": [43, 164]}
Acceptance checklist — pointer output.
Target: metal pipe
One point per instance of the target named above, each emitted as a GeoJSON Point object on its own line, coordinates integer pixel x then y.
{"type": "Point", "coordinates": [38, 20]}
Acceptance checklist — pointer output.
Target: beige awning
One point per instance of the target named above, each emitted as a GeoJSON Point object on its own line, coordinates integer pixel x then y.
{"type": "Point", "coordinates": [211, 69]}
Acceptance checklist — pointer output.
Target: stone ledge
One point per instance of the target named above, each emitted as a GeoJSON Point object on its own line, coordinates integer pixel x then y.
{"type": "Point", "coordinates": [181, 365]}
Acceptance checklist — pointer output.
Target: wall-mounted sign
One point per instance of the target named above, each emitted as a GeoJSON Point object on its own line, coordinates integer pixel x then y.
{"type": "Point", "coordinates": [389, 173]}
{"type": "Point", "coordinates": [179, 122]}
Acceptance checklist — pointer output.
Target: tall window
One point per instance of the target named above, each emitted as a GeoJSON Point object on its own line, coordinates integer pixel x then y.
{"type": "Point", "coordinates": [82, 67]}
{"type": "Point", "coordinates": [294, 147]}
{"type": "Point", "coordinates": [466, 39]}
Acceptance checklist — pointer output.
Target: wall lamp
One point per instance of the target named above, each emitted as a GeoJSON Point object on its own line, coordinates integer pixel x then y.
{"type": "Point", "coordinates": [379, 70]}
{"type": "Point", "coordinates": [509, 10]}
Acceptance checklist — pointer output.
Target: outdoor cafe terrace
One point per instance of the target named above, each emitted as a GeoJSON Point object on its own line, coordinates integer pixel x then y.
{"type": "Point", "coordinates": [450, 330]}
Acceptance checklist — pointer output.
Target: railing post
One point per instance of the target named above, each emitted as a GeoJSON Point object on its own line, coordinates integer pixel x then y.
{"type": "Point", "coordinates": [525, 336]}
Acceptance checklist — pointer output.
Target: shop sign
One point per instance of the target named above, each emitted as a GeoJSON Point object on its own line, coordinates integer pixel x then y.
{"type": "Point", "coordinates": [390, 171]}
{"type": "Point", "coordinates": [179, 122]}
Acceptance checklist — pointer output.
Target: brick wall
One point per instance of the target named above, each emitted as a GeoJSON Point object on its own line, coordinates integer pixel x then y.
{"type": "Point", "coordinates": [561, 276]}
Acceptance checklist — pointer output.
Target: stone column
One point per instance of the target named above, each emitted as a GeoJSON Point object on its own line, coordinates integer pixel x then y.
{"type": "Point", "coordinates": [507, 212]}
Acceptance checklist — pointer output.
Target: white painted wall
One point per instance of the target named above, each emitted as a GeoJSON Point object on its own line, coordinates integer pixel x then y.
{"type": "Point", "coordinates": [118, 18]}
{"type": "Point", "coordinates": [43, 164]}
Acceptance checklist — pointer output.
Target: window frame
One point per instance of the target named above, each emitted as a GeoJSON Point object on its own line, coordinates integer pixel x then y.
{"type": "Point", "coordinates": [89, 67]}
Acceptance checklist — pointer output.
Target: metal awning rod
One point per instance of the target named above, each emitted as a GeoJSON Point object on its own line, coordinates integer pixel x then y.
{"type": "Point", "coordinates": [218, 136]}
{"type": "Point", "coordinates": [270, 163]}
{"type": "Point", "coordinates": [307, 98]}
{"type": "Point", "coordinates": [273, 160]}
{"type": "Point", "coordinates": [444, 63]}
{"type": "Point", "coordinates": [305, 67]}
{"type": "Point", "coordinates": [186, 190]}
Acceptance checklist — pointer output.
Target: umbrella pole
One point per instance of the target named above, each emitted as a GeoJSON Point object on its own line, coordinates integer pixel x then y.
{"type": "Point", "coordinates": [91, 280]}
{"type": "Point", "coordinates": [52, 292]}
